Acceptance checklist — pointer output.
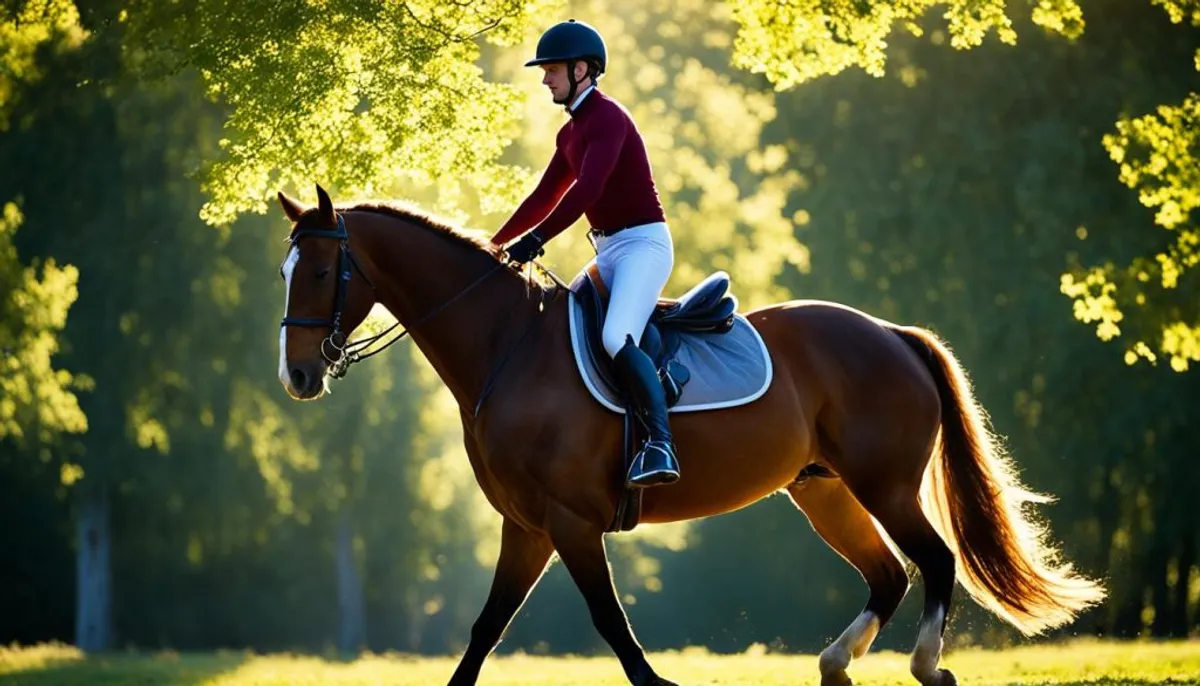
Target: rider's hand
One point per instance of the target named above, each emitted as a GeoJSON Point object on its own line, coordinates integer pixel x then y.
{"type": "Point", "coordinates": [526, 248]}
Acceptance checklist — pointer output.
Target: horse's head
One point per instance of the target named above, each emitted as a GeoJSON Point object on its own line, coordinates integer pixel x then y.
{"type": "Point", "coordinates": [327, 296]}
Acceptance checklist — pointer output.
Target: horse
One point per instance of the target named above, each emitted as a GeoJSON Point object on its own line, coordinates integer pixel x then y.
{"type": "Point", "coordinates": [871, 428]}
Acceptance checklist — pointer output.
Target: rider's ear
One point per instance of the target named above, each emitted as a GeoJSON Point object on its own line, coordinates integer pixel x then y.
{"type": "Point", "coordinates": [325, 206]}
{"type": "Point", "coordinates": [291, 208]}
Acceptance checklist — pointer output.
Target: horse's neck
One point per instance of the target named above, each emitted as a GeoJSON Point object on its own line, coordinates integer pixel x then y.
{"type": "Point", "coordinates": [422, 279]}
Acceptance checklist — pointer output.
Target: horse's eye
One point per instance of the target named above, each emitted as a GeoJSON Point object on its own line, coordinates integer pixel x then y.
{"type": "Point", "coordinates": [323, 272]}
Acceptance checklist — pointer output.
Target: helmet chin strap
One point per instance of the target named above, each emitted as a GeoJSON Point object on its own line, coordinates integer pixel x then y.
{"type": "Point", "coordinates": [574, 85]}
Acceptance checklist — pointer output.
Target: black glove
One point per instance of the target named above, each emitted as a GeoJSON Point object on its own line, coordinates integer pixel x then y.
{"type": "Point", "coordinates": [527, 248]}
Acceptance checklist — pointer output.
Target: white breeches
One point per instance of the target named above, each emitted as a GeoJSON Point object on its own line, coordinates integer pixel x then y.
{"type": "Point", "coordinates": [635, 265]}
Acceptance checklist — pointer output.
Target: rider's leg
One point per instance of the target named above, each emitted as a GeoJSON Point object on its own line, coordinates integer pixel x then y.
{"type": "Point", "coordinates": [655, 464]}
{"type": "Point", "coordinates": [635, 265]}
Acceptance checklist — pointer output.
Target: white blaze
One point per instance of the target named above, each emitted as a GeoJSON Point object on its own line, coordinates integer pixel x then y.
{"type": "Point", "coordinates": [289, 265]}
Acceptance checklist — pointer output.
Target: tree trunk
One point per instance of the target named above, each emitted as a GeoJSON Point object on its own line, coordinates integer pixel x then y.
{"type": "Point", "coordinates": [1108, 517]}
{"type": "Point", "coordinates": [1180, 626]}
{"type": "Point", "coordinates": [93, 583]}
{"type": "Point", "coordinates": [352, 624]}
{"type": "Point", "coordinates": [415, 627]}
{"type": "Point", "coordinates": [1160, 598]}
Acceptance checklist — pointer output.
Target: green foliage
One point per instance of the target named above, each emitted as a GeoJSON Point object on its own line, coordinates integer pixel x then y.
{"type": "Point", "coordinates": [796, 42]}
{"type": "Point", "coordinates": [356, 95]}
{"type": "Point", "coordinates": [37, 401]}
{"type": "Point", "coordinates": [1158, 157]}
{"type": "Point", "coordinates": [25, 28]}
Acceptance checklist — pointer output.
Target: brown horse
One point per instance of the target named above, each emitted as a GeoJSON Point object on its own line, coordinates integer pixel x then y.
{"type": "Point", "coordinates": [880, 416]}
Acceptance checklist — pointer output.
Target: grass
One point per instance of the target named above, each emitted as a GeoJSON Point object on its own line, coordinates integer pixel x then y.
{"type": "Point", "coordinates": [1079, 663]}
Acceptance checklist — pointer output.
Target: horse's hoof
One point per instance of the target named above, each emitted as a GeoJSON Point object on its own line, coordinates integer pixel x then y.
{"type": "Point", "coordinates": [838, 678]}
{"type": "Point", "coordinates": [942, 677]}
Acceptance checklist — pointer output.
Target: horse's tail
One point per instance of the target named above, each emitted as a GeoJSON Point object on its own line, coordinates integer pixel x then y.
{"type": "Point", "coordinates": [976, 501]}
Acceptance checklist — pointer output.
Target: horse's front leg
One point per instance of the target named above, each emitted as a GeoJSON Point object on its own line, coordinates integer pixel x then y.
{"type": "Point", "coordinates": [523, 557]}
{"type": "Point", "coordinates": [580, 546]}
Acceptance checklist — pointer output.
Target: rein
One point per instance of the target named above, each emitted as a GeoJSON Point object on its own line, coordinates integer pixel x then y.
{"type": "Point", "coordinates": [352, 352]}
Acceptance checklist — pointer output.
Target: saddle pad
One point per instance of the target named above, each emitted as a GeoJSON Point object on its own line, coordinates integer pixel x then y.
{"type": "Point", "coordinates": [727, 369]}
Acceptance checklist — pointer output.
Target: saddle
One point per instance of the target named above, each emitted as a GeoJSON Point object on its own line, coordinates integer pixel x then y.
{"type": "Point", "coordinates": [708, 308]}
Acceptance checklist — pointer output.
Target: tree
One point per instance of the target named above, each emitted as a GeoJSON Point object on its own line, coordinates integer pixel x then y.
{"type": "Point", "coordinates": [356, 95]}
{"type": "Point", "coordinates": [37, 401]}
{"type": "Point", "coordinates": [798, 42]}
{"type": "Point", "coordinates": [1157, 155]}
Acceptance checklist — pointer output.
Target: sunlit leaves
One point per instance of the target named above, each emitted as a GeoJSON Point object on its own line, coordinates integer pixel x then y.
{"type": "Point", "coordinates": [36, 399]}
{"type": "Point", "coordinates": [26, 27]}
{"type": "Point", "coordinates": [795, 41]}
{"type": "Point", "coordinates": [1060, 16]}
{"type": "Point", "coordinates": [1181, 10]}
{"type": "Point", "coordinates": [1156, 156]}
{"type": "Point", "coordinates": [1094, 302]}
{"type": "Point", "coordinates": [353, 95]}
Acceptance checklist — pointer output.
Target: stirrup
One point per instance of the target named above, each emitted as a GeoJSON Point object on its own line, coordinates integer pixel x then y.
{"type": "Point", "coordinates": [665, 471]}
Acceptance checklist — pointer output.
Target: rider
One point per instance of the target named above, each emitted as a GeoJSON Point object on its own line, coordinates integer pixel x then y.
{"type": "Point", "coordinates": [600, 169]}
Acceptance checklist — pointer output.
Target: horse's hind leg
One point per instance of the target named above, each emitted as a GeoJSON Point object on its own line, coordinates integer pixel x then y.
{"type": "Point", "coordinates": [900, 514]}
{"type": "Point", "coordinates": [906, 524]}
{"type": "Point", "coordinates": [845, 525]}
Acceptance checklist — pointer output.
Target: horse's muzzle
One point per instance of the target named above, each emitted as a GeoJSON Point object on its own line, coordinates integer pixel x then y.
{"type": "Point", "coordinates": [306, 380]}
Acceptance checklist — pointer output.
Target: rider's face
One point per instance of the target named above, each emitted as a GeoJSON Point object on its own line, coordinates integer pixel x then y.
{"type": "Point", "coordinates": [554, 77]}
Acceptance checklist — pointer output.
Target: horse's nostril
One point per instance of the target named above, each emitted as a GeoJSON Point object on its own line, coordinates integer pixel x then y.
{"type": "Point", "coordinates": [298, 378]}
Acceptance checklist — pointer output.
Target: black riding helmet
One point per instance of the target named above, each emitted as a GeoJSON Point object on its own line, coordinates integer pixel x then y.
{"type": "Point", "coordinates": [571, 41]}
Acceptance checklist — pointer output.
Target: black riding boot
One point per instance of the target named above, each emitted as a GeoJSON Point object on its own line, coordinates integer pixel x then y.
{"type": "Point", "coordinates": [655, 463]}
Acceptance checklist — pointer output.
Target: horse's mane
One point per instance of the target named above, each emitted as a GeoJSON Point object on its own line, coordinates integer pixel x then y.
{"type": "Point", "coordinates": [469, 238]}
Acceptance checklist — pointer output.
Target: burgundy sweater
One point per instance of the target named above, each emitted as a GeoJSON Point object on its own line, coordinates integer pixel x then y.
{"type": "Point", "coordinates": [602, 152]}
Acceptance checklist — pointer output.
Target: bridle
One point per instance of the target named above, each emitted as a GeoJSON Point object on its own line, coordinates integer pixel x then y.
{"type": "Point", "coordinates": [349, 353]}
{"type": "Point", "coordinates": [336, 338]}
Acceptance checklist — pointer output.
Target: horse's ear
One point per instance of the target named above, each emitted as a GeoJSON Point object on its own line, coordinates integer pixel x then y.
{"type": "Point", "coordinates": [325, 206]}
{"type": "Point", "coordinates": [291, 208]}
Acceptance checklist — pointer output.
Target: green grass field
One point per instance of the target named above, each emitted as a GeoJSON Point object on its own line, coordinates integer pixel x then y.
{"type": "Point", "coordinates": [1085, 662]}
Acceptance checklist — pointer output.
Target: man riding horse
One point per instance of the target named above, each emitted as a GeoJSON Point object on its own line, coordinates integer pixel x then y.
{"type": "Point", "coordinates": [600, 169]}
